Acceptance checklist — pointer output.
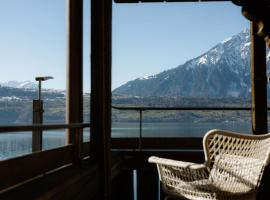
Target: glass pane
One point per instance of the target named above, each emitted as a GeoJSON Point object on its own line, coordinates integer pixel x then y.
{"type": "Point", "coordinates": [125, 123]}
{"type": "Point", "coordinates": [15, 144]}
{"type": "Point", "coordinates": [181, 55]}
{"type": "Point", "coordinates": [86, 66]}
{"type": "Point", "coordinates": [33, 44]}
{"type": "Point", "coordinates": [53, 139]}
{"type": "Point", "coordinates": [193, 123]}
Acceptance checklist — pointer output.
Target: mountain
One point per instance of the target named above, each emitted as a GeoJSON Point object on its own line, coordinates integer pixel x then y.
{"type": "Point", "coordinates": [20, 84]}
{"type": "Point", "coordinates": [18, 94]}
{"type": "Point", "coordinates": [27, 86]}
{"type": "Point", "coordinates": [223, 71]}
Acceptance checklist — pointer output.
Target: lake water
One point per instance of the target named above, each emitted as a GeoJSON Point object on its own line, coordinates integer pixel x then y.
{"type": "Point", "coordinates": [175, 129]}
{"type": "Point", "coordinates": [15, 144]}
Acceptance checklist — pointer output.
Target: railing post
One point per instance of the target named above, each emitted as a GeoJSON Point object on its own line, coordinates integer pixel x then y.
{"type": "Point", "coordinates": [74, 99]}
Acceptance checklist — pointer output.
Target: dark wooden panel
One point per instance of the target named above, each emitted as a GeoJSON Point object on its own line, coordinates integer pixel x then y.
{"type": "Point", "coordinates": [263, 190]}
{"type": "Point", "coordinates": [161, 193]}
{"type": "Point", "coordinates": [16, 170]}
{"type": "Point", "coordinates": [153, 1]}
{"type": "Point", "coordinates": [122, 180]}
{"type": "Point", "coordinates": [124, 143]}
{"type": "Point", "coordinates": [86, 149]}
{"type": "Point", "coordinates": [122, 188]}
{"type": "Point", "coordinates": [147, 184]}
{"type": "Point", "coordinates": [139, 159]}
{"type": "Point", "coordinates": [69, 183]}
{"type": "Point", "coordinates": [82, 185]}
{"type": "Point", "coordinates": [157, 143]}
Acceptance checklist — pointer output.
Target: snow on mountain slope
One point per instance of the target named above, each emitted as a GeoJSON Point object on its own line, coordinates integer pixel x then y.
{"type": "Point", "coordinates": [20, 84]}
{"type": "Point", "coordinates": [222, 71]}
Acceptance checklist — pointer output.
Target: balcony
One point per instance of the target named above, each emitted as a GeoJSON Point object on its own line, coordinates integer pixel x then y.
{"type": "Point", "coordinates": [108, 168]}
{"type": "Point", "coordinates": [50, 172]}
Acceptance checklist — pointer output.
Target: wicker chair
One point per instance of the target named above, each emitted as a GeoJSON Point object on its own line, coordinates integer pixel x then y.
{"type": "Point", "coordinates": [234, 164]}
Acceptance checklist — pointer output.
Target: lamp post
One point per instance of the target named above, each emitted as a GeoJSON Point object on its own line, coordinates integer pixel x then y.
{"type": "Point", "coordinates": [40, 79]}
{"type": "Point", "coordinates": [38, 115]}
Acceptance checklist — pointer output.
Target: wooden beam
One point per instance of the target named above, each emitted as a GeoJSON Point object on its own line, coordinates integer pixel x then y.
{"type": "Point", "coordinates": [157, 143]}
{"type": "Point", "coordinates": [162, 1]}
{"type": "Point", "coordinates": [101, 22]}
{"type": "Point", "coordinates": [152, 1]}
{"type": "Point", "coordinates": [34, 127]}
{"type": "Point", "coordinates": [258, 82]}
{"type": "Point", "coordinates": [139, 159]}
{"type": "Point", "coordinates": [74, 100]}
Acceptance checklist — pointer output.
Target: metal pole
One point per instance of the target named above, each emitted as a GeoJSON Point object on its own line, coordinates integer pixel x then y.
{"type": "Point", "coordinates": [38, 116]}
{"type": "Point", "coordinates": [39, 90]}
{"type": "Point", "coordinates": [37, 119]}
{"type": "Point", "coordinates": [140, 137]}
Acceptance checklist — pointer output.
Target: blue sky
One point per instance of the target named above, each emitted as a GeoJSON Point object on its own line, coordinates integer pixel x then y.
{"type": "Point", "coordinates": [147, 38]}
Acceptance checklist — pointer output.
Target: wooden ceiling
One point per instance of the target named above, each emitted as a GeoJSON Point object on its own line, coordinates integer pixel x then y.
{"type": "Point", "coordinates": [155, 1]}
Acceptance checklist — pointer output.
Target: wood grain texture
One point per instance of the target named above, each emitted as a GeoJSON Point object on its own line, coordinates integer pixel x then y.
{"type": "Point", "coordinates": [16, 170]}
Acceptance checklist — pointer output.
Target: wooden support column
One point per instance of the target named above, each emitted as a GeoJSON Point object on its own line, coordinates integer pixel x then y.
{"type": "Point", "coordinates": [101, 22]}
{"type": "Point", "coordinates": [74, 101]}
{"type": "Point", "coordinates": [258, 82]}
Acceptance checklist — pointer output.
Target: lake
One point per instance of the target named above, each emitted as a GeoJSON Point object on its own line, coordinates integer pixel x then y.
{"type": "Point", "coordinates": [15, 144]}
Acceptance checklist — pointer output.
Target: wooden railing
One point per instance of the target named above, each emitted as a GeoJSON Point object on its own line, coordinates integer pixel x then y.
{"type": "Point", "coordinates": [132, 154]}
{"type": "Point", "coordinates": [153, 143]}
{"type": "Point", "coordinates": [159, 1]}
{"type": "Point", "coordinates": [21, 128]}
{"type": "Point", "coordinates": [17, 170]}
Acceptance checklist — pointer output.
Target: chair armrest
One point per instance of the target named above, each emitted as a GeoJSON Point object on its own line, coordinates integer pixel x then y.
{"type": "Point", "coordinates": [187, 171]}
{"type": "Point", "coordinates": [175, 163]}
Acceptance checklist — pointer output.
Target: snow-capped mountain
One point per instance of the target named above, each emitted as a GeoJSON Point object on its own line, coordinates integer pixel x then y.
{"type": "Point", "coordinates": [223, 71]}
{"type": "Point", "coordinates": [20, 84]}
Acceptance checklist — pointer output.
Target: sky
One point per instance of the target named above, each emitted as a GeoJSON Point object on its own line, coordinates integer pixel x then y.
{"type": "Point", "coordinates": [146, 38]}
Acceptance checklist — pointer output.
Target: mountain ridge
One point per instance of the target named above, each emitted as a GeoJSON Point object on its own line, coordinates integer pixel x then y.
{"type": "Point", "coordinates": [20, 84]}
{"type": "Point", "coordinates": [222, 71]}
